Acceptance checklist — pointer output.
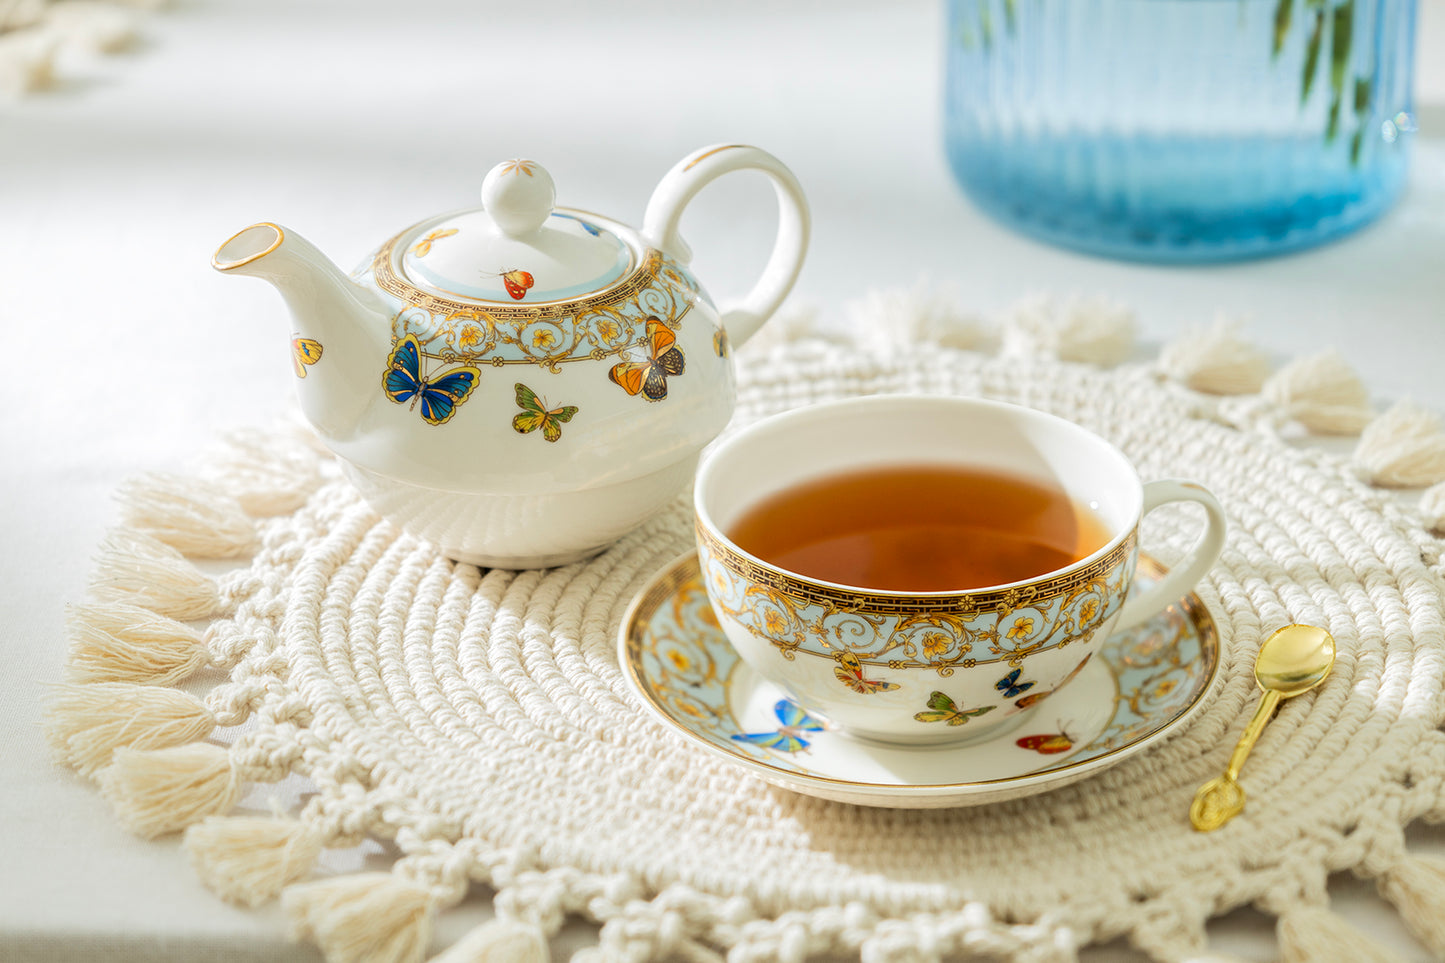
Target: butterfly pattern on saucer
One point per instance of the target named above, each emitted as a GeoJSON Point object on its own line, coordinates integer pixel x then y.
{"type": "Point", "coordinates": [1049, 744]}
{"type": "Point", "coordinates": [788, 737]}
{"type": "Point", "coordinates": [440, 396]}
{"type": "Point", "coordinates": [423, 247]}
{"type": "Point", "coordinates": [850, 672]}
{"type": "Point", "coordinates": [304, 352]}
{"type": "Point", "coordinates": [943, 709]}
{"type": "Point", "coordinates": [649, 377]}
{"type": "Point", "coordinates": [535, 414]}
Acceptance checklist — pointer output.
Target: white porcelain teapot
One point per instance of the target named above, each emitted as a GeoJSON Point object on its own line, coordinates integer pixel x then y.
{"type": "Point", "coordinates": [518, 383]}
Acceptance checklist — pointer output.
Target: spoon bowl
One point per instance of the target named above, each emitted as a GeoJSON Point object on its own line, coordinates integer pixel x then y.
{"type": "Point", "coordinates": [1292, 661]}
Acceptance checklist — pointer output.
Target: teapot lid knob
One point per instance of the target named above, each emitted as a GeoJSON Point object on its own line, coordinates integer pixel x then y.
{"type": "Point", "coordinates": [519, 196]}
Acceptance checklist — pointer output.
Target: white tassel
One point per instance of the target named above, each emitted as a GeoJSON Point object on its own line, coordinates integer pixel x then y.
{"type": "Point", "coordinates": [1312, 934]}
{"type": "Point", "coordinates": [267, 473]}
{"type": "Point", "coordinates": [1323, 393]}
{"type": "Point", "coordinates": [362, 918]}
{"type": "Point", "coordinates": [1215, 361]}
{"type": "Point", "coordinates": [19, 14]}
{"type": "Point", "coordinates": [189, 515]}
{"type": "Point", "coordinates": [126, 643]}
{"type": "Point", "coordinates": [500, 940]}
{"type": "Point", "coordinates": [1094, 330]}
{"type": "Point", "coordinates": [794, 321]}
{"type": "Point", "coordinates": [165, 790]}
{"type": "Point", "coordinates": [86, 724]}
{"type": "Point", "coordinates": [883, 321]}
{"type": "Point", "coordinates": [1403, 448]}
{"type": "Point", "coordinates": [91, 27]}
{"type": "Point", "coordinates": [1416, 886]}
{"type": "Point", "coordinates": [1432, 507]}
{"type": "Point", "coordinates": [250, 859]}
{"type": "Point", "coordinates": [135, 568]}
{"type": "Point", "coordinates": [27, 61]}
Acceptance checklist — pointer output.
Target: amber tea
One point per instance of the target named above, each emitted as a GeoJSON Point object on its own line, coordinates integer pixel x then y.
{"type": "Point", "coordinates": [920, 528]}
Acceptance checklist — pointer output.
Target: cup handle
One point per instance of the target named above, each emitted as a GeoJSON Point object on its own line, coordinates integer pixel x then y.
{"type": "Point", "coordinates": [692, 174]}
{"type": "Point", "coordinates": [1201, 558]}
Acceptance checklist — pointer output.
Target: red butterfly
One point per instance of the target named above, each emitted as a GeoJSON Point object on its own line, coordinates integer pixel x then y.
{"type": "Point", "coordinates": [1048, 745]}
{"type": "Point", "coordinates": [650, 377]}
{"type": "Point", "coordinates": [850, 673]}
{"type": "Point", "coordinates": [517, 283]}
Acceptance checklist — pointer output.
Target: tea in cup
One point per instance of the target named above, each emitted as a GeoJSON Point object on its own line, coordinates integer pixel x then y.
{"type": "Point", "coordinates": [921, 570]}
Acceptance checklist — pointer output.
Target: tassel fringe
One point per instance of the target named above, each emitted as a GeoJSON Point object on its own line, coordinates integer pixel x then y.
{"type": "Point", "coordinates": [500, 940]}
{"type": "Point", "coordinates": [27, 61]}
{"type": "Point", "coordinates": [1092, 330]}
{"type": "Point", "coordinates": [1323, 393]}
{"type": "Point", "coordinates": [885, 320]}
{"type": "Point", "coordinates": [92, 27]}
{"type": "Point", "coordinates": [1311, 934]}
{"type": "Point", "coordinates": [189, 515]}
{"type": "Point", "coordinates": [1403, 448]}
{"type": "Point", "coordinates": [265, 475]}
{"type": "Point", "coordinates": [165, 790]}
{"type": "Point", "coordinates": [136, 569]}
{"type": "Point", "coordinates": [86, 724]}
{"type": "Point", "coordinates": [1416, 887]}
{"type": "Point", "coordinates": [250, 859]}
{"type": "Point", "coordinates": [126, 643]}
{"type": "Point", "coordinates": [362, 918]}
{"type": "Point", "coordinates": [1216, 361]}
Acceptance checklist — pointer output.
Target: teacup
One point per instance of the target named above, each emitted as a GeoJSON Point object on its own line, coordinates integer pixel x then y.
{"type": "Point", "coordinates": [938, 666]}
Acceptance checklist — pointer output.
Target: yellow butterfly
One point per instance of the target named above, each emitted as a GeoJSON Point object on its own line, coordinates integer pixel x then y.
{"type": "Point", "coordinates": [304, 351]}
{"type": "Point", "coordinates": [423, 247]}
{"type": "Point", "coordinates": [535, 414]}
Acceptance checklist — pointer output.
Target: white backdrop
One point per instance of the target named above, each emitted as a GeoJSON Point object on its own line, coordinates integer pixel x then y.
{"type": "Point", "coordinates": [348, 120]}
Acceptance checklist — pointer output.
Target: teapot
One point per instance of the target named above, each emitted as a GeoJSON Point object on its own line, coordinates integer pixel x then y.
{"type": "Point", "coordinates": [521, 384]}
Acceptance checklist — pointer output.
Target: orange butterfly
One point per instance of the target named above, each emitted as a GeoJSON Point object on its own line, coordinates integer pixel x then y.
{"type": "Point", "coordinates": [650, 377]}
{"type": "Point", "coordinates": [517, 283]}
{"type": "Point", "coordinates": [304, 351]}
{"type": "Point", "coordinates": [850, 673]}
{"type": "Point", "coordinates": [1048, 745]}
{"type": "Point", "coordinates": [1034, 697]}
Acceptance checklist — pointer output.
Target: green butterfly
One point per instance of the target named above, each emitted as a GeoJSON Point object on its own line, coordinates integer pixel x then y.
{"type": "Point", "coordinates": [535, 415]}
{"type": "Point", "coordinates": [944, 709]}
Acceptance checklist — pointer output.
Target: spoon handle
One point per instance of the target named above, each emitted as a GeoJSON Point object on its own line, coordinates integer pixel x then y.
{"type": "Point", "coordinates": [1247, 739]}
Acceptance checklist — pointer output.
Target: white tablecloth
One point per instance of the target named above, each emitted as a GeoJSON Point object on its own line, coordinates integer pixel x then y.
{"type": "Point", "coordinates": [349, 120]}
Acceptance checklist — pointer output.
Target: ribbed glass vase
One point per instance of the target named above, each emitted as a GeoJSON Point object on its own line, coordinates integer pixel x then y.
{"type": "Point", "coordinates": [1180, 130]}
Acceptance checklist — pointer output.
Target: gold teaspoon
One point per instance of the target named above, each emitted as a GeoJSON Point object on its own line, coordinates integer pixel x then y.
{"type": "Point", "coordinates": [1293, 660]}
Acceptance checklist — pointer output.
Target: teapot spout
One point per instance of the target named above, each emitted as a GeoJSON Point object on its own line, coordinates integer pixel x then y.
{"type": "Point", "coordinates": [339, 345]}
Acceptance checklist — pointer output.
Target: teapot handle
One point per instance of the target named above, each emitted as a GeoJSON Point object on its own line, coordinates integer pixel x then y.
{"type": "Point", "coordinates": [692, 174]}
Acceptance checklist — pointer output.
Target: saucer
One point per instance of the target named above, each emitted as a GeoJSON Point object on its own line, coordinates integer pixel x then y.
{"type": "Point", "coordinates": [1141, 685]}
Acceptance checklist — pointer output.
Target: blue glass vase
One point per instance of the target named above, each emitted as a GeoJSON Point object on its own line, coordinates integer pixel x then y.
{"type": "Point", "coordinates": [1180, 130]}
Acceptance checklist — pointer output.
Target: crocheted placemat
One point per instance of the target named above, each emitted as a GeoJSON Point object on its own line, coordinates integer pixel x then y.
{"type": "Point", "coordinates": [479, 718]}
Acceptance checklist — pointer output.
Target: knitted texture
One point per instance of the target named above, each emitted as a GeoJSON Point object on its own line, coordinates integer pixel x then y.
{"type": "Point", "coordinates": [479, 720]}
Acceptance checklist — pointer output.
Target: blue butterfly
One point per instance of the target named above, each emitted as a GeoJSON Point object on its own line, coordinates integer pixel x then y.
{"type": "Point", "coordinates": [1010, 685]}
{"type": "Point", "coordinates": [439, 398]}
{"type": "Point", "coordinates": [792, 723]}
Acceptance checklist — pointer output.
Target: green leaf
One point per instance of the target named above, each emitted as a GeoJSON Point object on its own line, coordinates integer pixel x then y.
{"type": "Point", "coordinates": [1355, 143]}
{"type": "Point", "coordinates": [985, 25]}
{"type": "Point", "coordinates": [1333, 127]}
{"type": "Point", "coordinates": [1340, 37]}
{"type": "Point", "coordinates": [1010, 14]}
{"type": "Point", "coordinates": [1283, 14]}
{"type": "Point", "coordinates": [1312, 56]}
{"type": "Point", "coordinates": [1363, 88]}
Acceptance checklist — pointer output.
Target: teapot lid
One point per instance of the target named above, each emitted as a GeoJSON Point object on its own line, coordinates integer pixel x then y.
{"type": "Point", "coordinates": [516, 250]}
